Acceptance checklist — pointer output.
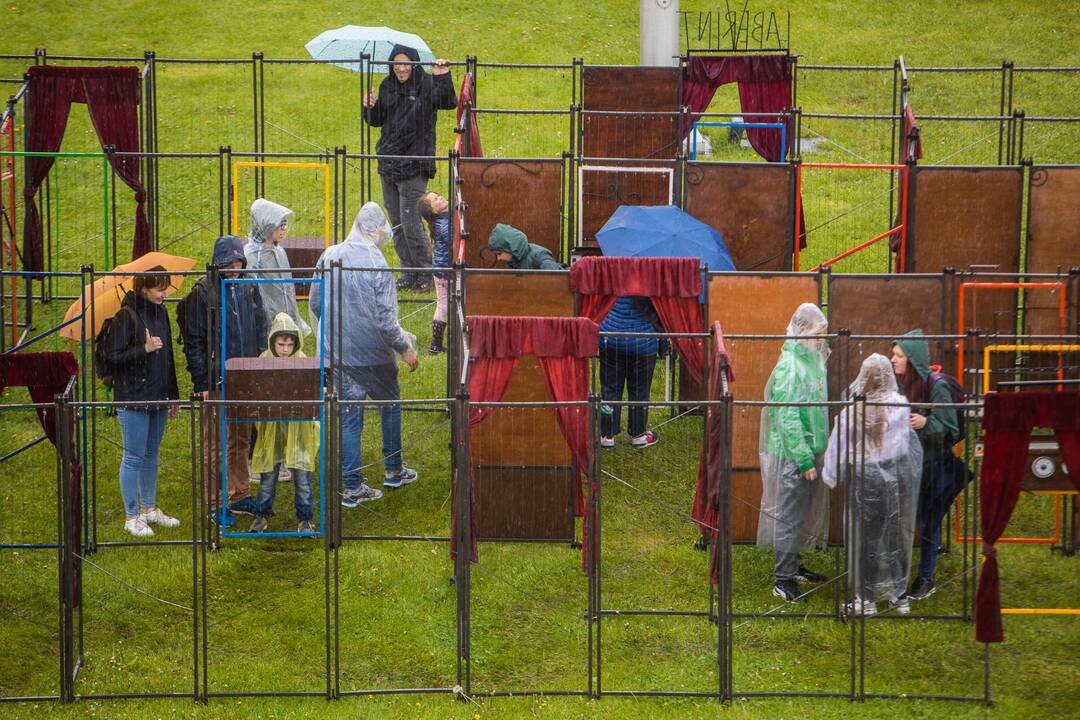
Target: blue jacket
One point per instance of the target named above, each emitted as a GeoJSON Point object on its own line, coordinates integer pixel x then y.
{"type": "Point", "coordinates": [625, 316]}
{"type": "Point", "coordinates": [441, 236]}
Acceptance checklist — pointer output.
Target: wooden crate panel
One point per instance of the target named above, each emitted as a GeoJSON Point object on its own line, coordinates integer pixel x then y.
{"type": "Point", "coordinates": [524, 503]}
{"type": "Point", "coordinates": [751, 205]}
{"type": "Point", "coordinates": [527, 195]}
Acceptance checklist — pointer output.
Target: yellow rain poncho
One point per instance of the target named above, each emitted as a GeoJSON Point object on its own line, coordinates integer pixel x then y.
{"type": "Point", "coordinates": [296, 442]}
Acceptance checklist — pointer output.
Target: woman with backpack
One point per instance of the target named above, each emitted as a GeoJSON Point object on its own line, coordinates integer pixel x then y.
{"type": "Point", "coordinates": [938, 428]}
{"type": "Point", "coordinates": [137, 349]}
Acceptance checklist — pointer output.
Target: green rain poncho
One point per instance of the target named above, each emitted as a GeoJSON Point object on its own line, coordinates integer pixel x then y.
{"type": "Point", "coordinates": [793, 439]}
{"type": "Point", "coordinates": [296, 443]}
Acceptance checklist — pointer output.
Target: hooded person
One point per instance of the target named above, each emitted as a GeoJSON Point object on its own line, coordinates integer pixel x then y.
{"type": "Point", "coordinates": [406, 109]}
{"type": "Point", "coordinates": [794, 502]}
{"type": "Point", "coordinates": [873, 446]}
{"type": "Point", "coordinates": [241, 316]}
{"type": "Point", "coordinates": [938, 428]}
{"type": "Point", "coordinates": [293, 445]}
{"type": "Point", "coordinates": [263, 251]}
{"type": "Point", "coordinates": [362, 338]}
{"type": "Point", "coordinates": [513, 247]}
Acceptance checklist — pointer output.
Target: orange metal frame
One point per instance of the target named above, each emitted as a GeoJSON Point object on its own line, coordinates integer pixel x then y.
{"type": "Point", "coordinates": [901, 228]}
{"type": "Point", "coordinates": [1056, 538]}
{"type": "Point", "coordinates": [7, 175]}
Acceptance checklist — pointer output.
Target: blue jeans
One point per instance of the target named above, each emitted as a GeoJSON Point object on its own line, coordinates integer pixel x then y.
{"type": "Point", "coordinates": [142, 431]}
{"type": "Point", "coordinates": [635, 371]}
{"type": "Point", "coordinates": [378, 382]}
{"type": "Point", "coordinates": [264, 504]}
{"type": "Point", "coordinates": [929, 542]}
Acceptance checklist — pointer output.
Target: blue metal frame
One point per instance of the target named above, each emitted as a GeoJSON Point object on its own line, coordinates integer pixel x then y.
{"type": "Point", "coordinates": [322, 414]}
{"type": "Point", "coordinates": [782, 127]}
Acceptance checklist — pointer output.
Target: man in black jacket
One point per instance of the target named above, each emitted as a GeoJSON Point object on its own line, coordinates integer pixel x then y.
{"type": "Point", "coordinates": [406, 109]}
{"type": "Point", "coordinates": [245, 336]}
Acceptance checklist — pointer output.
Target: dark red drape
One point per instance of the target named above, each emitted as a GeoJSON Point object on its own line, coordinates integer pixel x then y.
{"type": "Point", "coordinates": [563, 346]}
{"type": "Point", "coordinates": [673, 285]}
{"type": "Point", "coordinates": [111, 95]}
{"type": "Point", "coordinates": [706, 503]}
{"type": "Point", "coordinates": [44, 374]}
{"type": "Point", "coordinates": [764, 87]}
{"type": "Point", "coordinates": [911, 129]}
{"type": "Point", "coordinates": [1008, 419]}
{"type": "Point", "coordinates": [471, 148]}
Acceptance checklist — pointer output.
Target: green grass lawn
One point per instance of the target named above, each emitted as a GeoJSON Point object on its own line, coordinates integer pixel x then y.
{"type": "Point", "coordinates": [397, 621]}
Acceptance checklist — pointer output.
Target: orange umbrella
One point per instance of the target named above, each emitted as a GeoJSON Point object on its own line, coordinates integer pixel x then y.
{"type": "Point", "coordinates": [106, 293]}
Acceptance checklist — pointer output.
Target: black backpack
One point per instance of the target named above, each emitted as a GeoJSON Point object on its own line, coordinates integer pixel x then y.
{"type": "Point", "coordinates": [103, 368]}
{"type": "Point", "coordinates": [184, 306]}
{"type": "Point", "coordinates": [956, 395]}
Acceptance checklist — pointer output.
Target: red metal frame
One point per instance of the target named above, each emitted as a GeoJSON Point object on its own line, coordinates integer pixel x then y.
{"type": "Point", "coordinates": [901, 228]}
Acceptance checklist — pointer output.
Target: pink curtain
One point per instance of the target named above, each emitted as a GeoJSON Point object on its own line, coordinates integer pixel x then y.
{"type": "Point", "coordinates": [112, 98]}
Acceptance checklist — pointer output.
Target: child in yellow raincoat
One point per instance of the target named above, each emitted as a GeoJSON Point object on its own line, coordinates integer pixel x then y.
{"type": "Point", "coordinates": [292, 444]}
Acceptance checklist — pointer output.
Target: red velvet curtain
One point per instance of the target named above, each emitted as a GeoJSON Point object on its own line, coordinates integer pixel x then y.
{"type": "Point", "coordinates": [910, 126]}
{"type": "Point", "coordinates": [673, 285]}
{"type": "Point", "coordinates": [44, 374]}
{"type": "Point", "coordinates": [563, 346]}
{"type": "Point", "coordinates": [112, 98]}
{"type": "Point", "coordinates": [472, 148]}
{"type": "Point", "coordinates": [764, 87]}
{"type": "Point", "coordinates": [706, 504]}
{"type": "Point", "coordinates": [1008, 419]}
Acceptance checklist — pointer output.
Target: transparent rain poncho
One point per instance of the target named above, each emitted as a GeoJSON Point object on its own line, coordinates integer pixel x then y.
{"type": "Point", "coordinates": [370, 332]}
{"type": "Point", "coordinates": [794, 514]}
{"type": "Point", "coordinates": [875, 449]}
{"type": "Point", "coordinates": [262, 253]}
{"type": "Point", "coordinates": [295, 443]}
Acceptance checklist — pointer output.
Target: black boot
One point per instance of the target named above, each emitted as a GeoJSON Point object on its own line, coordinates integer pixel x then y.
{"type": "Point", "coordinates": [437, 330]}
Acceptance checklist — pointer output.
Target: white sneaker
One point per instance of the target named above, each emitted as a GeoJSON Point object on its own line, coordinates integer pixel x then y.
{"type": "Point", "coordinates": [158, 518]}
{"type": "Point", "coordinates": [861, 607]}
{"type": "Point", "coordinates": [138, 527]}
{"type": "Point", "coordinates": [607, 442]}
{"type": "Point", "coordinates": [902, 605]}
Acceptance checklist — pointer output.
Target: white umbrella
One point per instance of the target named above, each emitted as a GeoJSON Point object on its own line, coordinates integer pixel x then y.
{"type": "Point", "coordinates": [349, 42]}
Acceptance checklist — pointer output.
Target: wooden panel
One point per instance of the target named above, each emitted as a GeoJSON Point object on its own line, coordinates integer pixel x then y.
{"type": "Point", "coordinates": [273, 378]}
{"type": "Point", "coordinates": [630, 89]}
{"type": "Point", "coordinates": [603, 191]}
{"type": "Point", "coordinates": [961, 217]}
{"type": "Point", "coordinates": [1053, 243]}
{"type": "Point", "coordinates": [303, 252]}
{"type": "Point", "coordinates": [750, 204]}
{"type": "Point", "coordinates": [1054, 220]}
{"type": "Point", "coordinates": [753, 304]}
{"type": "Point", "coordinates": [524, 502]}
{"type": "Point", "coordinates": [521, 436]}
{"type": "Point", "coordinates": [527, 195]}
{"type": "Point", "coordinates": [888, 305]}
{"type": "Point", "coordinates": [503, 294]}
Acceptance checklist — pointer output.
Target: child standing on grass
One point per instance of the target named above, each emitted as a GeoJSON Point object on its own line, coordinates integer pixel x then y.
{"type": "Point", "coordinates": [435, 209]}
{"type": "Point", "coordinates": [293, 445]}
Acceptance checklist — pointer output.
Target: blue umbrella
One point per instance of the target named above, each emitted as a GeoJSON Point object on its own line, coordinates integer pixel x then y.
{"type": "Point", "coordinates": [662, 231]}
{"type": "Point", "coordinates": [349, 42]}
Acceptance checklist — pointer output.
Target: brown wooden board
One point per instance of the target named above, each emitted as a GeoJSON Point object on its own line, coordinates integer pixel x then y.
{"type": "Point", "coordinates": [524, 502]}
{"type": "Point", "coordinates": [272, 378]}
{"type": "Point", "coordinates": [959, 217]}
{"type": "Point", "coordinates": [630, 89]}
{"type": "Point", "coordinates": [888, 305]}
{"type": "Point", "coordinates": [527, 195]}
{"type": "Point", "coordinates": [604, 190]}
{"type": "Point", "coordinates": [753, 304]}
{"type": "Point", "coordinates": [1054, 219]}
{"type": "Point", "coordinates": [520, 459]}
{"type": "Point", "coordinates": [751, 204]}
{"type": "Point", "coordinates": [303, 252]}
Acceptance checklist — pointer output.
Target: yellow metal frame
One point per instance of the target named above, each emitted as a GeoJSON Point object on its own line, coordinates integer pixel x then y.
{"type": "Point", "coordinates": [1040, 611]}
{"type": "Point", "coordinates": [1015, 348]}
{"type": "Point", "coordinates": [325, 167]}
